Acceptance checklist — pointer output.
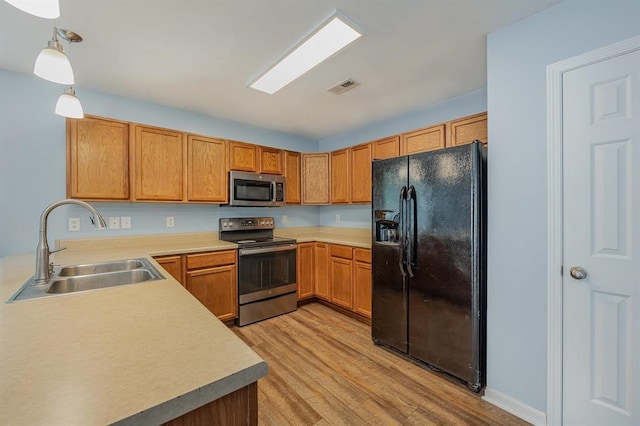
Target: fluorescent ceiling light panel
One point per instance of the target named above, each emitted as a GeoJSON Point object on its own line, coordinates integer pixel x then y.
{"type": "Point", "coordinates": [329, 39]}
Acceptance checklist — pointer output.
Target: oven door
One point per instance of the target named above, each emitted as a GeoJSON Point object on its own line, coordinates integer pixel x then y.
{"type": "Point", "coordinates": [266, 272]}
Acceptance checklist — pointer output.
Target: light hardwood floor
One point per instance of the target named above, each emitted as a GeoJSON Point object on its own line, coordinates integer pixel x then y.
{"type": "Point", "coordinates": [325, 370]}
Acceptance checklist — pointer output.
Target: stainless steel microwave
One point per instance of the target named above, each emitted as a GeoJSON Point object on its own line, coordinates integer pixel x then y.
{"type": "Point", "coordinates": [256, 190]}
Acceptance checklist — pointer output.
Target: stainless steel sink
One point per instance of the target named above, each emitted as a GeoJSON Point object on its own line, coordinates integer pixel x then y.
{"type": "Point", "coordinates": [98, 268]}
{"type": "Point", "coordinates": [94, 276]}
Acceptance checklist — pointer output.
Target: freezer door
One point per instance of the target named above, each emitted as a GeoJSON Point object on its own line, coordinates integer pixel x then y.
{"type": "Point", "coordinates": [389, 291]}
{"type": "Point", "coordinates": [444, 292]}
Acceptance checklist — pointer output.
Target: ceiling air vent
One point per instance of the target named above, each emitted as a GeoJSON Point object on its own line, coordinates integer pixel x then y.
{"type": "Point", "coordinates": [343, 86]}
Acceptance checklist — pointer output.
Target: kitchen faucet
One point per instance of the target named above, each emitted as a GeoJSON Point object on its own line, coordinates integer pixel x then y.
{"type": "Point", "coordinates": [43, 271]}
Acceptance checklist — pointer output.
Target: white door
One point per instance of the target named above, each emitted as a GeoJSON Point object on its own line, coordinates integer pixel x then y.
{"type": "Point", "coordinates": [601, 207]}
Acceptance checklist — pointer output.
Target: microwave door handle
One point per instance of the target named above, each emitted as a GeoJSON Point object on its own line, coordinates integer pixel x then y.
{"type": "Point", "coordinates": [273, 191]}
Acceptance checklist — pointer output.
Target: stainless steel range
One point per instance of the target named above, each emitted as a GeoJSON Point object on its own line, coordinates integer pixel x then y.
{"type": "Point", "coordinates": [266, 268]}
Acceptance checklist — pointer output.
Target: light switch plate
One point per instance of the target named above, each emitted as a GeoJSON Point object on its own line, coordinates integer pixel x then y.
{"type": "Point", "coordinates": [285, 218]}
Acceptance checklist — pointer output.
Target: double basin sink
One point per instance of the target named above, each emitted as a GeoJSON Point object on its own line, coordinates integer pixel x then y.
{"type": "Point", "coordinates": [91, 276]}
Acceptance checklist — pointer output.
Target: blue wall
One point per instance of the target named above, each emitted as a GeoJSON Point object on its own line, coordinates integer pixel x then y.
{"type": "Point", "coordinates": [360, 216]}
{"type": "Point", "coordinates": [33, 165]}
{"type": "Point", "coordinates": [517, 59]}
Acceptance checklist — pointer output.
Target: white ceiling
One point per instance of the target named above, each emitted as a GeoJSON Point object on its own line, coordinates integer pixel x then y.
{"type": "Point", "coordinates": [200, 55]}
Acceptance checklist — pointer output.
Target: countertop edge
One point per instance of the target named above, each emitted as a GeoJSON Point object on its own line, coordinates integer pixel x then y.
{"type": "Point", "coordinates": [188, 402]}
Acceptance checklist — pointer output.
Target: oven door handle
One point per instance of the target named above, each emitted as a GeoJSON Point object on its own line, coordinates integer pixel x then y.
{"type": "Point", "coordinates": [249, 251]}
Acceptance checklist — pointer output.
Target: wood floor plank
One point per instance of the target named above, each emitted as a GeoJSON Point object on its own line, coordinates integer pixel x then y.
{"type": "Point", "coordinates": [325, 370]}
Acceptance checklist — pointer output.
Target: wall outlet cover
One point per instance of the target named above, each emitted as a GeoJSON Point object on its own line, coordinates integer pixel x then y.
{"type": "Point", "coordinates": [74, 224]}
{"type": "Point", "coordinates": [125, 222]}
{"type": "Point", "coordinates": [114, 223]}
{"type": "Point", "coordinates": [170, 222]}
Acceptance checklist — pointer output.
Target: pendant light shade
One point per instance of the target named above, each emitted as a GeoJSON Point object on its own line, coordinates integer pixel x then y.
{"type": "Point", "coordinates": [68, 105]}
{"type": "Point", "coordinates": [49, 9]}
{"type": "Point", "coordinates": [53, 65]}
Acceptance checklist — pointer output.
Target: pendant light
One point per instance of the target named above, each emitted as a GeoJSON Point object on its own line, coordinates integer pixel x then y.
{"type": "Point", "coordinates": [68, 104]}
{"type": "Point", "coordinates": [52, 64]}
{"type": "Point", "coordinates": [49, 9]}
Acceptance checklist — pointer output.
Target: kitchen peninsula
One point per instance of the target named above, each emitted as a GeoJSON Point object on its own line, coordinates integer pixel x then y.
{"type": "Point", "coordinates": [142, 353]}
{"type": "Point", "coordinates": [136, 354]}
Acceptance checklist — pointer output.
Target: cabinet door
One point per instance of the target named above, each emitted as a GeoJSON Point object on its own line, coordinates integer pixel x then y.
{"type": "Point", "coordinates": [362, 282]}
{"type": "Point", "coordinates": [270, 160]}
{"type": "Point", "coordinates": [322, 270]}
{"type": "Point", "coordinates": [361, 173]}
{"type": "Point", "coordinates": [174, 265]}
{"type": "Point", "coordinates": [97, 159]}
{"type": "Point", "coordinates": [467, 129]}
{"type": "Point", "coordinates": [423, 140]}
{"type": "Point", "coordinates": [207, 169]}
{"type": "Point", "coordinates": [159, 164]}
{"type": "Point", "coordinates": [341, 284]}
{"type": "Point", "coordinates": [216, 288]}
{"type": "Point", "coordinates": [292, 173]}
{"type": "Point", "coordinates": [340, 180]}
{"type": "Point", "coordinates": [306, 270]}
{"type": "Point", "coordinates": [243, 156]}
{"type": "Point", "coordinates": [315, 178]}
{"type": "Point", "coordinates": [386, 148]}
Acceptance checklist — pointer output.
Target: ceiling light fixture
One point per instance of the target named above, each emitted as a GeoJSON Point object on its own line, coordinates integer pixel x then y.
{"type": "Point", "coordinates": [52, 64]}
{"type": "Point", "coordinates": [68, 104]}
{"type": "Point", "coordinates": [49, 9]}
{"type": "Point", "coordinates": [331, 37]}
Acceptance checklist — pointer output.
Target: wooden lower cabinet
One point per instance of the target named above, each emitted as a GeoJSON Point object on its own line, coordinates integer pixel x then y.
{"type": "Point", "coordinates": [362, 281]}
{"type": "Point", "coordinates": [341, 276]}
{"type": "Point", "coordinates": [306, 270]}
{"type": "Point", "coordinates": [174, 265]}
{"type": "Point", "coordinates": [212, 279]}
{"type": "Point", "coordinates": [321, 259]}
{"type": "Point", "coordinates": [237, 408]}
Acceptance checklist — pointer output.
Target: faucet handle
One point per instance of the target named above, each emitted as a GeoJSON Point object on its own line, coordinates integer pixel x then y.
{"type": "Point", "coordinates": [57, 250]}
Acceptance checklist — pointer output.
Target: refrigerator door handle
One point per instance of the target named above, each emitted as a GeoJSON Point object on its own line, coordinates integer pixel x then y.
{"type": "Point", "coordinates": [401, 231]}
{"type": "Point", "coordinates": [411, 231]}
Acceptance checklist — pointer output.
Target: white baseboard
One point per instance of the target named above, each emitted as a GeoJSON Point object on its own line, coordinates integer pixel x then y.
{"type": "Point", "coordinates": [515, 407]}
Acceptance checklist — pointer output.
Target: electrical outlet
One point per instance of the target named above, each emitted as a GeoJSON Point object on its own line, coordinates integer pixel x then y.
{"type": "Point", "coordinates": [170, 222]}
{"type": "Point", "coordinates": [125, 222]}
{"type": "Point", "coordinates": [114, 222]}
{"type": "Point", "coordinates": [74, 224]}
{"type": "Point", "coordinates": [285, 218]}
{"type": "Point", "coordinates": [337, 218]}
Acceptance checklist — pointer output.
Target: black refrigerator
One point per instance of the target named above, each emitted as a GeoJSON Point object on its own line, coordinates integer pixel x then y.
{"type": "Point", "coordinates": [429, 259]}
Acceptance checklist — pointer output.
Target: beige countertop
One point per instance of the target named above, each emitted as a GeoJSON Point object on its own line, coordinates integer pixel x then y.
{"type": "Point", "coordinates": [142, 353]}
{"type": "Point", "coordinates": [135, 354]}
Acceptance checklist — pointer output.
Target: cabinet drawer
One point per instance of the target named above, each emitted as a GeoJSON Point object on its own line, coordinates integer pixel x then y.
{"type": "Point", "coordinates": [362, 255]}
{"type": "Point", "coordinates": [211, 259]}
{"type": "Point", "coordinates": [344, 252]}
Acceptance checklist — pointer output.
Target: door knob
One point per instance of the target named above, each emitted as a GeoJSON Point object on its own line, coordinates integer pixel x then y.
{"type": "Point", "coordinates": [578, 272]}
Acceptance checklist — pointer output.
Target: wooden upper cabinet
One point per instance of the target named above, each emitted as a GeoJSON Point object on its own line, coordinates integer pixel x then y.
{"type": "Point", "coordinates": [340, 176]}
{"type": "Point", "coordinates": [207, 169]}
{"type": "Point", "coordinates": [292, 174]}
{"type": "Point", "coordinates": [361, 173]}
{"type": "Point", "coordinates": [315, 178]}
{"type": "Point", "coordinates": [467, 129]}
{"type": "Point", "coordinates": [386, 148]}
{"type": "Point", "coordinates": [97, 159]}
{"type": "Point", "coordinates": [270, 160]}
{"type": "Point", "coordinates": [159, 163]}
{"type": "Point", "coordinates": [243, 156]}
{"type": "Point", "coordinates": [423, 140]}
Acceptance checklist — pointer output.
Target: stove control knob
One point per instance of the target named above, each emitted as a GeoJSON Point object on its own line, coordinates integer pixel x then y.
{"type": "Point", "coordinates": [225, 224]}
